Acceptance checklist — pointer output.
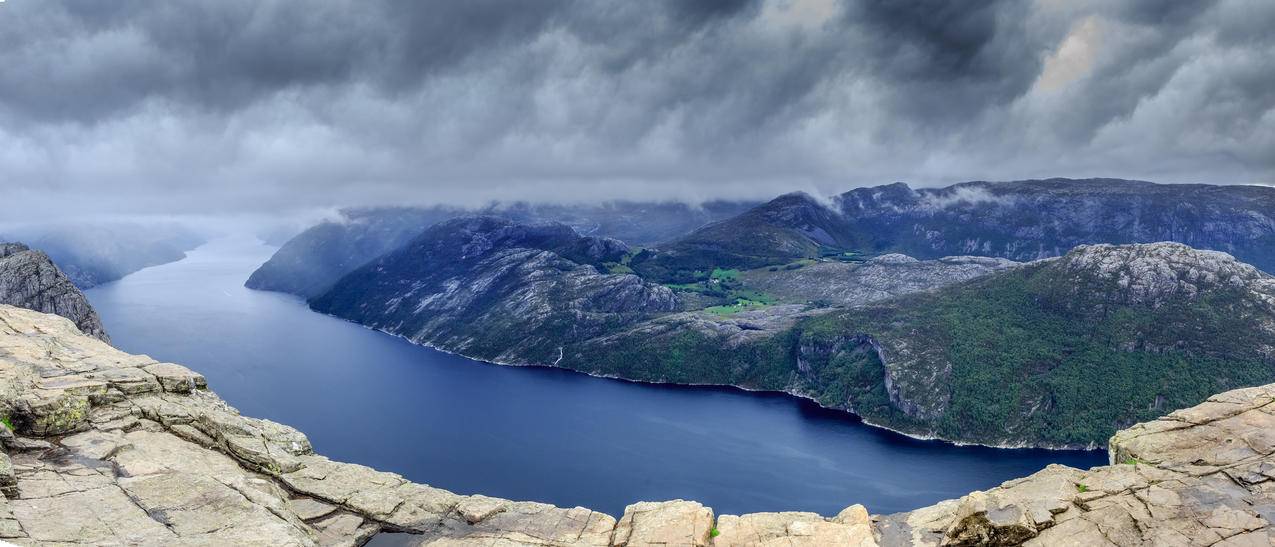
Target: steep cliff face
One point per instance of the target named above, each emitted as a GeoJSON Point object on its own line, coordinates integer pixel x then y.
{"type": "Point", "coordinates": [497, 290]}
{"type": "Point", "coordinates": [1062, 351]}
{"type": "Point", "coordinates": [756, 349]}
{"type": "Point", "coordinates": [112, 448]}
{"type": "Point", "coordinates": [29, 279]}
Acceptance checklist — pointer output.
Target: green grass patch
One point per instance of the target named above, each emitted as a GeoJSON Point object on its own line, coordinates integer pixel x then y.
{"type": "Point", "coordinates": [617, 268]}
{"type": "Point", "coordinates": [754, 296]}
{"type": "Point", "coordinates": [725, 275]}
{"type": "Point", "coordinates": [1082, 488]}
{"type": "Point", "coordinates": [741, 304]}
{"type": "Point", "coordinates": [7, 423]}
{"type": "Point", "coordinates": [714, 532]}
{"type": "Point", "coordinates": [688, 287]}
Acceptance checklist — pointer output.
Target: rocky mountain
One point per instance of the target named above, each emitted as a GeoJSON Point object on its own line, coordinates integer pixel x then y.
{"type": "Point", "coordinates": [93, 253]}
{"type": "Point", "coordinates": [1019, 220]}
{"type": "Point", "coordinates": [496, 290]}
{"type": "Point", "coordinates": [787, 228]}
{"type": "Point", "coordinates": [1026, 220]}
{"type": "Point", "coordinates": [112, 448]}
{"type": "Point", "coordinates": [633, 222]}
{"type": "Point", "coordinates": [310, 263]}
{"type": "Point", "coordinates": [1057, 352]}
{"type": "Point", "coordinates": [835, 283]}
{"type": "Point", "coordinates": [29, 279]}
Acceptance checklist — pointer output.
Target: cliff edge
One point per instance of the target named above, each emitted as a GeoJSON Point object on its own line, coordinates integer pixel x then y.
{"type": "Point", "coordinates": [108, 447]}
{"type": "Point", "coordinates": [29, 279]}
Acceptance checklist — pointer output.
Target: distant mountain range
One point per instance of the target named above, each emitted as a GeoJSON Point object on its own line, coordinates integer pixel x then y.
{"type": "Point", "coordinates": [310, 263]}
{"type": "Point", "coordinates": [1021, 220]}
{"type": "Point", "coordinates": [796, 295]}
{"type": "Point", "coordinates": [93, 253]}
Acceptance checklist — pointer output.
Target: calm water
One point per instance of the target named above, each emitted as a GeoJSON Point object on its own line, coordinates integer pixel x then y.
{"type": "Point", "coordinates": [525, 433]}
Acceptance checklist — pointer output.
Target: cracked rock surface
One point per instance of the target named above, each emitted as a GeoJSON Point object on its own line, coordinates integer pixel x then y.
{"type": "Point", "coordinates": [113, 448]}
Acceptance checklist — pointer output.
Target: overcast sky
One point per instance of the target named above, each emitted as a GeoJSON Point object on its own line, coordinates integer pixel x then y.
{"type": "Point", "coordinates": [248, 105]}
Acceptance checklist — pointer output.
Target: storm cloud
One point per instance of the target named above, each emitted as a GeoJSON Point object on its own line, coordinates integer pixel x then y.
{"type": "Point", "coordinates": [248, 105]}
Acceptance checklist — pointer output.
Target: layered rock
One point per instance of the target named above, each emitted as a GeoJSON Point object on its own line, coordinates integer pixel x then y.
{"type": "Point", "coordinates": [116, 448]}
{"type": "Point", "coordinates": [1199, 476]}
{"type": "Point", "coordinates": [29, 279]}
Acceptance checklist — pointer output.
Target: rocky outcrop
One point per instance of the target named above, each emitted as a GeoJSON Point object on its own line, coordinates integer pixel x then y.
{"type": "Point", "coordinates": [29, 279]}
{"type": "Point", "coordinates": [858, 283]}
{"type": "Point", "coordinates": [1199, 476]}
{"type": "Point", "coordinates": [1155, 273]}
{"type": "Point", "coordinates": [112, 448]}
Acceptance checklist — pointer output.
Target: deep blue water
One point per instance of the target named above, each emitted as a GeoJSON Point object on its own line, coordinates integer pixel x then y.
{"type": "Point", "coordinates": [525, 433]}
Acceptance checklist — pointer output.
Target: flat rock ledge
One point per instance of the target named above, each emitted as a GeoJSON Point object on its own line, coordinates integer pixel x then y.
{"type": "Point", "coordinates": [108, 448]}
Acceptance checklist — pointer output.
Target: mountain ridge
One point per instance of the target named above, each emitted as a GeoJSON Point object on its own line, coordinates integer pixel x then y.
{"type": "Point", "coordinates": [905, 363]}
{"type": "Point", "coordinates": [492, 288]}
{"type": "Point", "coordinates": [1017, 220]}
{"type": "Point", "coordinates": [311, 262]}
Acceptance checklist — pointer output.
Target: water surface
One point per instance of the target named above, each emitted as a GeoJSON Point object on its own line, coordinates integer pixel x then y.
{"type": "Point", "coordinates": [525, 433]}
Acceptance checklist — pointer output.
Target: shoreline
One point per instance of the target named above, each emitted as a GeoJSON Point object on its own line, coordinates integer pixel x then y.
{"type": "Point", "coordinates": [861, 419]}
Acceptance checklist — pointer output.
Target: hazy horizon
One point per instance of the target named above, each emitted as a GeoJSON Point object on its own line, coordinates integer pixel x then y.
{"type": "Point", "coordinates": [296, 108]}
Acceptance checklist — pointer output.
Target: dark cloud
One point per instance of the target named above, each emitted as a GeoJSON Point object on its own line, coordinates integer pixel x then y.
{"type": "Point", "coordinates": [243, 104]}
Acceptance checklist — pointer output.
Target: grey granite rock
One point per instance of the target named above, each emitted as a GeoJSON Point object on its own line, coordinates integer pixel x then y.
{"type": "Point", "coordinates": [29, 279]}
{"type": "Point", "coordinates": [858, 283]}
